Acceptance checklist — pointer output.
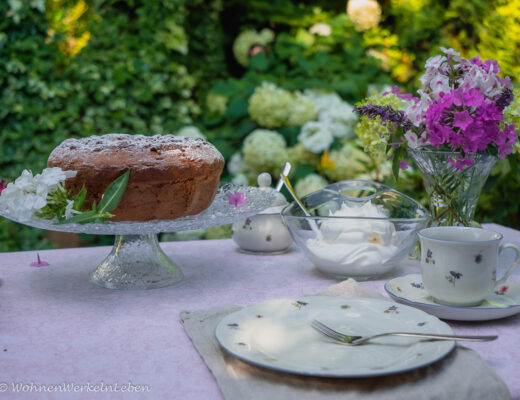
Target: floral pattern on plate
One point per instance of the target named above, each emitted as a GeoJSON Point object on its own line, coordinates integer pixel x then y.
{"type": "Point", "coordinates": [284, 340]}
{"type": "Point", "coordinates": [504, 302]}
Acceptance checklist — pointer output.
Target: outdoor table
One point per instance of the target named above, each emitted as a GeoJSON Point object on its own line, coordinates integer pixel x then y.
{"type": "Point", "coordinates": [57, 328]}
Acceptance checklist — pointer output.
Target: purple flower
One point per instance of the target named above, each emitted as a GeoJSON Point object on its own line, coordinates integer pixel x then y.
{"type": "Point", "coordinates": [235, 199]}
{"type": "Point", "coordinates": [462, 119]}
{"type": "Point", "coordinates": [39, 263]}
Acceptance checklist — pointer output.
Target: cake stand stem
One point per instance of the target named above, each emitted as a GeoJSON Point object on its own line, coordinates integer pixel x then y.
{"type": "Point", "coordinates": [136, 262]}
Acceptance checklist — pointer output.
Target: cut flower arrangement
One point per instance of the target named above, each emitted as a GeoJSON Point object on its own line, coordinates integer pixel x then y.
{"type": "Point", "coordinates": [461, 122]}
{"type": "Point", "coordinates": [43, 196]}
{"type": "Point", "coordinates": [461, 108]}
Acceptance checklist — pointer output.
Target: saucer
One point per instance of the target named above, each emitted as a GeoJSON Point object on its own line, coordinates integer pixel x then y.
{"type": "Point", "coordinates": [503, 302]}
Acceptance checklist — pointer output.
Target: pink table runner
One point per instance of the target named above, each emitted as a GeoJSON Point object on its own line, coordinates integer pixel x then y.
{"type": "Point", "coordinates": [60, 334]}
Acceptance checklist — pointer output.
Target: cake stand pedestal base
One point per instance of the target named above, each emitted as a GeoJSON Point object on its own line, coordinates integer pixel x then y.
{"type": "Point", "coordinates": [136, 262]}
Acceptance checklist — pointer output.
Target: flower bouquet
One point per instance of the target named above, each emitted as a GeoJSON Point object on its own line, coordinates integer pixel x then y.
{"type": "Point", "coordinates": [454, 129]}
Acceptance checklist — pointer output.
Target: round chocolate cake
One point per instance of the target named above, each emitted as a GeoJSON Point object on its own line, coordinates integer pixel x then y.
{"type": "Point", "coordinates": [171, 176]}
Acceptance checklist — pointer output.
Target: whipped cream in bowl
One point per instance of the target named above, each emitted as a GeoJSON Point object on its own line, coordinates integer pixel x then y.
{"type": "Point", "coordinates": [357, 228]}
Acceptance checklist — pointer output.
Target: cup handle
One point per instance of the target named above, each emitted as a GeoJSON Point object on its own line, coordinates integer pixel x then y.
{"type": "Point", "coordinates": [513, 266]}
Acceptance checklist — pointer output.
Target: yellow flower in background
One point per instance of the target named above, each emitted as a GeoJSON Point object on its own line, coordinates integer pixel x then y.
{"type": "Point", "coordinates": [347, 163]}
{"type": "Point", "coordinates": [325, 162]}
{"type": "Point", "coordinates": [365, 14]}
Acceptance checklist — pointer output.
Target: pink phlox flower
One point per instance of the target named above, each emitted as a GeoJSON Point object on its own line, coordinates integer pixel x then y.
{"type": "Point", "coordinates": [235, 199]}
{"type": "Point", "coordinates": [505, 140]}
{"type": "Point", "coordinates": [39, 262]}
{"type": "Point", "coordinates": [402, 96]}
{"type": "Point", "coordinates": [462, 119]}
{"type": "Point", "coordinates": [3, 185]}
{"type": "Point", "coordinates": [403, 164]}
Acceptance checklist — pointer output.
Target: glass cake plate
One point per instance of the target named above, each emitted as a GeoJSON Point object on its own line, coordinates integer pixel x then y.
{"type": "Point", "coordinates": [136, 260]}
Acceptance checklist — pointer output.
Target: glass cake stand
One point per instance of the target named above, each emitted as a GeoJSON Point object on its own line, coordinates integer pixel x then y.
{"type": "Point", "coordinates": [136, 260]}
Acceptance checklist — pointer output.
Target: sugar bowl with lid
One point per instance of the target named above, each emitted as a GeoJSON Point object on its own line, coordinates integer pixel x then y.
{"type": "Point", "coordinates": [264, 233]}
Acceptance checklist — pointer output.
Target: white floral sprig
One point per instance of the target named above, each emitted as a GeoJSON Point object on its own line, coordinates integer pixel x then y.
{"type": "Point", "coordinates": [38, 196]}
{"type": "Point", "coordinates": [44, 196]}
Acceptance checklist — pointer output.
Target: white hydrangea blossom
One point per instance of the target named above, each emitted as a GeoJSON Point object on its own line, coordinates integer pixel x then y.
{"type": "Point", "coordinates": [321, 29]}
{"type": "Point", "coordinates": [264, 151]}
{"type": "Point", "coordinates": [235, 164]}
{"type": "Point", "coordinates": [217, 103]}
{"type": "Point", "coordinates": [240, 180]}
{"type": "Point", "coordinates": [348, 161]}
{"type": "Point", "coordinates": [270, 105]}
{"type": "Point", "coordinates": [341, 120]}
{"type": "Point", "coordinates": [27, 195]}
{"type": "Point", "coordinates": [316, 136]}
{"type": "Point", "coordinates": [365, 14]}
{"type": "Point", "coordinates": [301, 110]}
{"type": "Point", "coordinates": [309, 184]}
{"type": "Point", "coordinates": [191, 131]}
{"type": "Point", "coordinates": [323, 101]}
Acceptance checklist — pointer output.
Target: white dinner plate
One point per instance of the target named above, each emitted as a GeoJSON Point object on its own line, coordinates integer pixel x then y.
{"type": "Point", "coordinates": [278, 335]}
{"type": "Point", "coordinates": [503, 302]}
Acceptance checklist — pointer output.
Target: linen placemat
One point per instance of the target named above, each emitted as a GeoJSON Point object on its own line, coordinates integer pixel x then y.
{"type": "Point", "coordinates": [462, 374]}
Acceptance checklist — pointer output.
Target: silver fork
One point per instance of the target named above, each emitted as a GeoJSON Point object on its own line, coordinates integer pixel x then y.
{"type": "Point", "coordinates": [358, 340]}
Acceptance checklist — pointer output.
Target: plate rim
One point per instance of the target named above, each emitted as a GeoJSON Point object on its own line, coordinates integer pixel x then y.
{"type": "Point", "coordinates": [450, 345]}
{"type": "Point", "coordinates": [441, 311]}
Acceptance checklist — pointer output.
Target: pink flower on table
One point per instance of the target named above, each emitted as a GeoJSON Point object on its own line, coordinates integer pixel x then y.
{"type": "Point", "coordinates": [235, 199]}
{"type": "Point", "coordinates": [39, 262]}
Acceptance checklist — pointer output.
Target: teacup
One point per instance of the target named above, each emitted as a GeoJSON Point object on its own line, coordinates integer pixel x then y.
{"type": "Point", "coordinates": [459, 264]}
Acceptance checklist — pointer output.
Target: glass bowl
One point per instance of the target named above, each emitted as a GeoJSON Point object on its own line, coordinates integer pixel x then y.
{"type": "Point", "coordinates": [356, 228]}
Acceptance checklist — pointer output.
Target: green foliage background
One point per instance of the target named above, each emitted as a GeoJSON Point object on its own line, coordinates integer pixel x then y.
{"type": "Point", "coordinates": [148, 66]}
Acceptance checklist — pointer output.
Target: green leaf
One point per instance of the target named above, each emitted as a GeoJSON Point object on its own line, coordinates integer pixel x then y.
{"type": "Point", "coordinates": [398, 156]}
{"type": "Point", "coordinates": [83, 218]}
{"type": "Point", "coordinates": [259, 62]}
{"type": "Point", "coordinates": [113, 194]}
{"type": "Point", "coordinates": [237, 109]}
{"type": "Point", "coordinates": [79, 198]}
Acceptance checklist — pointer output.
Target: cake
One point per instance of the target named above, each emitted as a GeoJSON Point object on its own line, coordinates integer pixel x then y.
{"type": "Point", "coordinates": [171, 176]}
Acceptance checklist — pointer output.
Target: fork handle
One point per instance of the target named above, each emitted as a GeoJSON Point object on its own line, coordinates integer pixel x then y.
{"type": "Point", "coordinates": [431, 336]}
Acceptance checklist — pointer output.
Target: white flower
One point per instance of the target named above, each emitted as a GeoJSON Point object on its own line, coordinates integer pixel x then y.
{"type": "Point", "coordinates": [309, 184]}
{"type": "Point", "coordinates": [269, 105]}
{"type": "Point", "coordinates": [240, 180]}
{"type": "Point", "coordinates": [235, 164]}
{"type": "Point", "coordinates": [415, 141]}
{"type": "Point", "coordinates": [316, 136]}
{"type": "Point", "coordinates": [440, 84]}
{"type": "Point", "coordinates": [264, 151]}
{"type": "Point", "coordinates": [416, 112]}
{"type": "Point", "coordinates": [301, 110]}
{"type": "Point", "coordinates": [364, 13]}
{"type": "Point", "coordinates": [321, 29]}
{"type": "Point", "coordinates": [435, 62]}
{"type": "Point", "coordinates": [191, 131]}
{"type": "Point", "coordinates": [341, 120]}
{"type": "Point", "coordinates": [27, 195]}
{"type": "Point", "coordinates": [451, 52]}
{"type": "Point", "coordinates": [68, 209]}
{"type": "Point", "coordinates": [323, 101]}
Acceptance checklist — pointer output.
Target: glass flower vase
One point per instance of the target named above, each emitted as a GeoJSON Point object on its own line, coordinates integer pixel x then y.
{"type": "Point", "coordinates": [452, 193]}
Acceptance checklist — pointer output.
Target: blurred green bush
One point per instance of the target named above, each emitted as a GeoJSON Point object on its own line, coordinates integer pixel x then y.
{"type": "Point", "coordinates": [72, 68]}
